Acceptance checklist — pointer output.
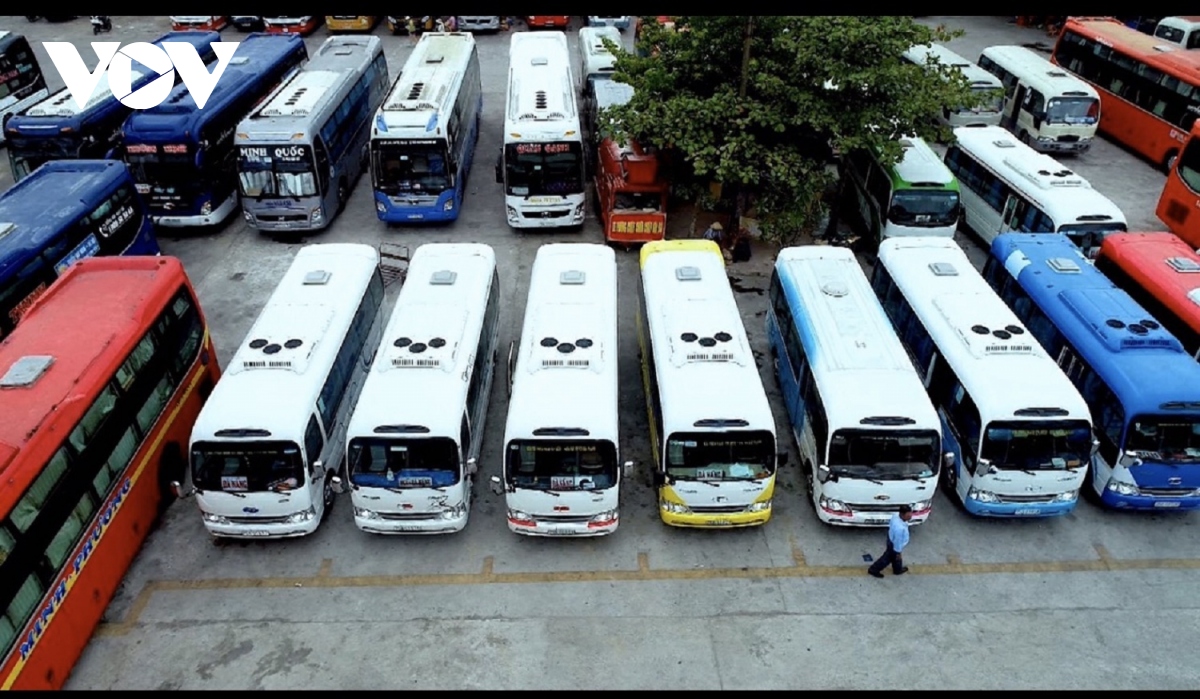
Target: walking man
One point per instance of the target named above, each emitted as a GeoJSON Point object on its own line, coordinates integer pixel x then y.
{"type": "Point", "coordinates": [897, 539]}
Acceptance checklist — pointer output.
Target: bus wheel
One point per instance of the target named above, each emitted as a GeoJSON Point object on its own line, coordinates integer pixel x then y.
{"type": "Point", "coordinates": [327, 494]}
{"type": "Point", "coordinates": [1169, 162]}
{"type": "Point", "coordinates": [808, 479]}
{"type": "Point", "coordinates": [341, 196]}
{"type": "Point", "coordinates": [951, 478]}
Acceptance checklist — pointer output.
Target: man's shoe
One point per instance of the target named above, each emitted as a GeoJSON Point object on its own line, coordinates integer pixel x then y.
{"type": "Point", "coordinates": [874, 574]}
{"type": "Point", "coordinates": [902, 571]}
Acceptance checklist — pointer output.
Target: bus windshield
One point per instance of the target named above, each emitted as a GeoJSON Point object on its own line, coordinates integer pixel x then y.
{"type": "Point", "coordinates": [924, 208]}
{"type": "Point", "coordinates": [537, 169]}
{"type": "Point", "coordinates": [411, 166]}
{"type": "Point", "coordinates": [18, 69]}
{"type": "Point", "coordinates": [721, 456]}
{"type": "Point", "coordinates": [1072, 110]}
{"type": "Point", "coordinates": [161, 170]}
{"type": "Point", "coordinates": [989, 101]}
{"type": "Point", "coordinates": [271, 172]}
{"type": "Point", "coordinates": [1037, 445]}
{"type": "Point", "coordinates": [399, 464]}
{"type": "Point", "coordinates": [884, 454]}
{"type": "Point", "coordinates": [1189, 165]}
{"type": "Point", "coordinates": [1164, 438]}
{"type": "Point", "coordinates": [28, 154]}
{"type": "Point", "coordinates": [249, 467]}
{"type": "Point", "coordinates": [562, 464]}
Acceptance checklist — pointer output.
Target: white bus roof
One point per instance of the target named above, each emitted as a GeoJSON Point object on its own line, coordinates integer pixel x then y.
{"type": "Point", "coordinates": [710, 375]}
{"type": "Point", "coordinates": [610, 93]}
{"type": "Point", "coordinates": [62, 103]}
{"type": "Point", "coordinates": [541, 93]}
{"type": "Point", "coordinates": [976, 76]}
{"type": "Point", "coordinates": [423, 367]}
{"type": "Point", "coordinates": [422, 97]}
{"type": "Point", "coordinates": [1064, 195]}
{"type": "Point", "coordinates": [597, 57]}
{"type": "Point", "coordinates": [305, 100]}
{"type": "Point", "coordinates": [566, 370]}
{"type": "Point", "coordinates": [1003, 373]}
{"type": "Point", "coordinates": [1038, 72]}
{"type": "Point", "coordinates": [278, 370]}
{"type": "Point", "coordinates": [860, 366]}
{"type": "Point", "coordinates": [920, 164]}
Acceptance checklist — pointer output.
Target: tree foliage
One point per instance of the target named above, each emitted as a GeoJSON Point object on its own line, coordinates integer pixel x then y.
{"type": "Point", "coordinates": [810, 82]}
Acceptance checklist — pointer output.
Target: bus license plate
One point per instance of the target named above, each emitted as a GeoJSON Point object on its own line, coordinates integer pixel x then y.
{"type": "Point", "coordinates": [258, 532]}
{"type": "Point", "coordinates": [719, 522]}
{"type": "Point", "coordinates": [560, 531]}
{"type": "Point", "coordinates": [1029, 511]}
{"type": "Point", "coordinates": [1168, 503]}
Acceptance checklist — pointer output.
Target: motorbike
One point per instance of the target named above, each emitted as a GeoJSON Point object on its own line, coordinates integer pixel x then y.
{"type": "Point", "coordinates": [101, 23]}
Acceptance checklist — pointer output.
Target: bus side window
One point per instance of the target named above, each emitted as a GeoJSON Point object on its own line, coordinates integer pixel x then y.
{"type": "Point", "coordinates": [464, 438]}
{"type": "Point", "coordinates": [322, 163]}
{"type": "Point", "coordinates": [880, 189]}
{"type": "Point", "coordinates": [313, 441]}
{"type": "Point", "coordinates": [965, 418]}
{"type": "Point", "coordinates": [1106, 415]}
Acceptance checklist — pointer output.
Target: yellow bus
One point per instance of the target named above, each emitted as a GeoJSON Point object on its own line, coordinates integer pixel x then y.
{"type": "Point", "coordinates": [343, 23]}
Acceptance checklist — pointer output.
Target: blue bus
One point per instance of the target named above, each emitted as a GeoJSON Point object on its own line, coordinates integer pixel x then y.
{"type": "Point", "coordinates": [183, 158]}
{"type": "Point", "coordinates": [1141, 385]}
{"type": "Point", "coordinates": [56, 129]}
{"type": "Point", "coordinates": [65, 211]}
{"type": "Point", "coordinates": [423, 139]}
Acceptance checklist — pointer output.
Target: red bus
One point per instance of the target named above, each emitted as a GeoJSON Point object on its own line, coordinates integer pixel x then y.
{"type": "Point", "coordinates": [1180, 198]}
{"type": "Point", "coordinates": [293, 25]}
{"type": "Point", "coordinates": [1149, 89]}
{"type": "Point", "coordinates": [1162, 273]}
{"type": "Point", "coordinates": [630, 193]}
{"type": "Point", "coordinates": [556, 21]}
{"type": "Point", "coordinates": [99, 387]}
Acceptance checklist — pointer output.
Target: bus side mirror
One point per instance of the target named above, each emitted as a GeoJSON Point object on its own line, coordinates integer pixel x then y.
{"type": "Point", "coordinates": [179, 492]}
{"type": "Point", "coordinates": [1095, 447]}
{"type": "Point", "coordinates": [497, 486]}
{"type": "Point", "coordinates": [948, 460]}
{"type": "Point", "coordinates": [339, 486]}
{"type": "Point", "coordinates": [512, 356]}
{"type": "Point", "coordinates": [823, 474]}
{"type": "Point", "coordinates": [782, 458]}
{"type": "Point", "coordinates": [500, 168]}
{"type": "Point", "coordinates": [626, 468]}
{"type": "Point", "coordinates": [659, 479]}
{"type": "Point", "coordinates": [472, 466]}
{"type": "Point", "coordinates": [1038, 118]}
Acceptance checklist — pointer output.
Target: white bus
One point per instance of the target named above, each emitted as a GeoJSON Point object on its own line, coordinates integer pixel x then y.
{"type": "Point", "coordinates": [916, 196]}
{"type": "Point", "coordinates": [869, 438]}
{"type": "Point", "coordinates": [1183, 30]}
{"type": "Point", "coordinates": [562, 472]}
{"type": "Point", "coordinates": [423, 136]}
{"type": "Point", "coordinates": [987, 86]}
{"type": "Point", "coordinates": [1007, 186]}
{"type": "Point", "coordinates": [1019, 433]}
{"type": "Point", "coordinates": [1045, 106]}
{"type": "Point", "coordinates": [268, 443]}
{"type": "Point", "coordinates": [541, 164]}
{"type": "Point", "coordinates": [712, 433]}
{"type": "Point", "coordinates": [596, 62]}
{"type": "Point", "coordinates": [414, 438]}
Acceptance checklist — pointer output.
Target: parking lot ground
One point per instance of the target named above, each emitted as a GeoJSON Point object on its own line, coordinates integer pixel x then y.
{"type": "Point", "coordinates": [1091, 600]}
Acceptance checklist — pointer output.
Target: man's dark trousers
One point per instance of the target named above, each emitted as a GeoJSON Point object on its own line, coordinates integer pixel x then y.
{"type": "Point", "coordinates": [889, 556]}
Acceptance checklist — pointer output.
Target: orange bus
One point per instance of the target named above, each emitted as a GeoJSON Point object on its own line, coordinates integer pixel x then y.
{"type": "Point", "coordinates": [1180, 198]}
{"type": "Point", "coordinates": [1149, 89]}
{"type": "Point", "coordinates": [1162, 273]}
{"type": "Point", "coordinates": [99, 387]}
{"type": "Point", "coordinates": [631, 192]}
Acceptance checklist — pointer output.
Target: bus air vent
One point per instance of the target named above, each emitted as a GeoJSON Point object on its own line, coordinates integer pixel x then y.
{"type": "Point", "coordinates": [710, 356]}
{"type": "Point", "coordinates": [540, 100]}
{"type": "Point", "coordinates": [566, 363]}
{"type": "Point", "coordinates": [572, 277]}
{"type": "Point", "coordinates": [1184, 265]}
{"type": "Point", "coordinates": [443, 277]}
{"type": "Point", "coordinates": [1004, 143]}
{"type": "Point", "coordinates": [25, 371]}
{"type": "Point", "coordinates": [1056, 74]}
{"type": "Point", "coordinates": [539, 61]}
{"type": "Point", "coordinates": [687, 274]}
{"type": "Point", "coordinates": [1194, 296]}
{"type": "Point", "coordinates": [317, 277]}
{"type": "Point", "coordinates": [422, 363]}
{"type": "Point", "coordinates": [835, 288]}
{"type": "Point", "coordinates": [943, 269]}
{"type": "Point", "coordinates": [434, 59]}
{"type": "Point", "coordinates": [415, 92]}
{"type": "Point", "coordinates": [1064, 265]}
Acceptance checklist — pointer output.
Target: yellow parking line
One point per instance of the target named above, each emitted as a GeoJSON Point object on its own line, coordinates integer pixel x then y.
{"type": "Point", "coordinates": [643, 573]}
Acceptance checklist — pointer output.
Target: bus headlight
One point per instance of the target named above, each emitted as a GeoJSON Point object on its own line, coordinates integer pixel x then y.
{"type": "Point", "coordinates": [298, 517]}
{"type": "Point", "coordinates": [206, 208]}
{"type": "Point", "coordinates": [1123, 488]}
{"type": "Point", "coordinates": [760, 506]}
{"type": "Point", "coordinates": [675, 507]}
{"type": "Point", "coordinates": [579, 211]}
{"type": "Point", "coordinates": [605, 517]}
{"type": "Point", "coordinates": [521, 518]}
{"type": "Point", "coordinates": [982, 495]}
{"type": "Point", "coordinates": [214, 519]}
{"type": "Point", "coordinates": [364, 513]}
{"type": "Point", "coordinates": [512, 213]}
{"type": "Point", "coordinates": [454, 512]}
{"type": "Point", "coordinates": [1068, 496]}
{"type": "Point", "coordinates": [248, 216]}
{"type": "Point", "coordinates": [380, 207]}
{"type": "Point", "coordinates": [449, 205]}
{"type": "Point", "coordinates": [317, 215]}
{"type": "Point", "coordinates": [833, 505]}
{"type": "Point", "coordinates": [922, 506]}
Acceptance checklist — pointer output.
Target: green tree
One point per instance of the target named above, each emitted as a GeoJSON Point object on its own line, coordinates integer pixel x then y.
{"type": "Point", "coordinates": [755, 103]}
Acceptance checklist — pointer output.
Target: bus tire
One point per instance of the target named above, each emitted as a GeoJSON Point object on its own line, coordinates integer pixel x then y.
{"type": "Point", "coordinates": [341, 196]}
{"type": "Point", "coordinates": [1169, 161]}
{"type": "Point", "coordinates": [328, 495]}
{"type": "Point", "coordinates": [950, 481]}
{"type": "Point", "coordinates": [808, 479]}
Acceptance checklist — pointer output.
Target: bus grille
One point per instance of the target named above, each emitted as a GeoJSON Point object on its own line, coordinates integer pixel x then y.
{"type": "Point", "coordinates": [258, 520]}
{"type": "Point", "coordinates": [1168, 492]}
{"type": "Point", "coordinates": [282, 218]}
{"type": "Point", "coordinates": [874, 508]}
{"type": "Point", "coordinates": [1027, 498]}
{"type": "Point", "coordinates": [546, 214]}
{"type": "Point", "coordinates": [1068, 139]}
{"type": "Point", "coordinates": [563, 519]}
{"type": "Point", "coordinates": [408, 516]}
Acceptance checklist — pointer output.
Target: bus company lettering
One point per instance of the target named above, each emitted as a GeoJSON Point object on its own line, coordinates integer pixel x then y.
{"type": "Point", "coordinates": [42, 620]}
{"type": "Point", "coordinates": [165, 60]}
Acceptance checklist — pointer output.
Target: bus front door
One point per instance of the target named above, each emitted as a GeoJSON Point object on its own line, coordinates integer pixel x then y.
{"type": "Point", "coordinates": [1014, 115]}
{"type": "Point", "coordinates": [1008, 219]}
